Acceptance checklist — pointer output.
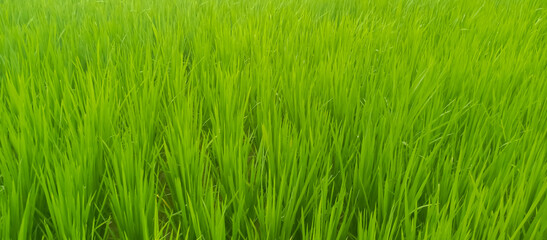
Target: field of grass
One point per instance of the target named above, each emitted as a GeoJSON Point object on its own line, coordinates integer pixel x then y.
{"type": "Point", "coordinates": [273, 119]}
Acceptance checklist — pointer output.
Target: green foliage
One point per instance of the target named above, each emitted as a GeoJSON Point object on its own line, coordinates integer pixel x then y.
{"type": "Point", "coordinates": [273, 119]}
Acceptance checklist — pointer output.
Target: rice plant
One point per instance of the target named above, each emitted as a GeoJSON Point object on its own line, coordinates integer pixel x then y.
{"type": "Point", "coordinates": [273, 119]}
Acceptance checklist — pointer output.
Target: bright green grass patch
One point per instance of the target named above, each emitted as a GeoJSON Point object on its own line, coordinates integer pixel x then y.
{"type": "Point", "coordinates": [273, 119]}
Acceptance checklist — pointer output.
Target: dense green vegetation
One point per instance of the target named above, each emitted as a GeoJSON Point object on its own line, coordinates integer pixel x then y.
{"type": "Point", "coordinates": [273, 119]}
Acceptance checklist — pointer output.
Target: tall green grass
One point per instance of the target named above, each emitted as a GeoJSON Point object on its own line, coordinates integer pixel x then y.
{"type": "Point", "coordinates": [273, 119]}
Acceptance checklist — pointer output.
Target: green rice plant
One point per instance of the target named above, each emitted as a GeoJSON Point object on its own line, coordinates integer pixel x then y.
{"type": "Point", "coordinates": [273, 119]}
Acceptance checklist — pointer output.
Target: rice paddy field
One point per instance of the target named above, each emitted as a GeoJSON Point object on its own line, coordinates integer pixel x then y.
{"type": "Point", "coordinates": [273, 119]}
